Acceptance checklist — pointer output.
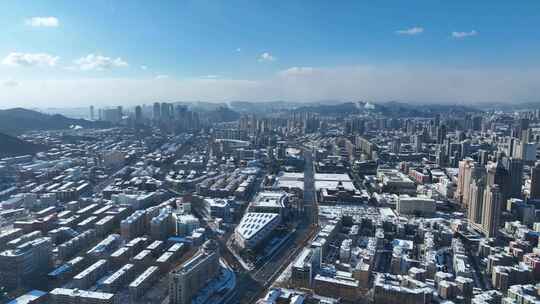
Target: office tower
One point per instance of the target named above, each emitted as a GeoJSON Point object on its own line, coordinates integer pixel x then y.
{"type": "Point", "coordinates": [491, 210]}
{"type": "Point", "coordinates": [91, 112]}
{"type": "Point", "coordinates": [514, 167]}
{"type": "Point", "coordinates": [194, 274]}
{"type": "Point", "coordinates": [498, 175]}
{"type": "Point", "coordinates": [138, 115]}
{"type": "Point", "coordinates": [120, 111]}
{"type": "Point", "coordinates": [464, 180]}
{"type": "Point", "coordinates": [476, 201]}
{"type": "Point", "coordinates": [535, 182]}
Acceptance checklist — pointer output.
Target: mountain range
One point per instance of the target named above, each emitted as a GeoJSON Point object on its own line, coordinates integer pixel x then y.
{"type": "Point", "coordinates": [18, 120]}
{"type": "Point", "coordinates": [389, 109]}
{"type": "Point", "coordinates": [332, 107]}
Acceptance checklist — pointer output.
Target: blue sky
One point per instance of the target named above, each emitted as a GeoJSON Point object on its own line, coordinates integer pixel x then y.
{"type": "Point", "coordinates": [68, 53]}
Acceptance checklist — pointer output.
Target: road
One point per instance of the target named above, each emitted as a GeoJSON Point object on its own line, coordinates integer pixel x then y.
{"type": "Point", "coordinates": [252, 285]}
{"type": "Point", "coordinates": [305, 231]}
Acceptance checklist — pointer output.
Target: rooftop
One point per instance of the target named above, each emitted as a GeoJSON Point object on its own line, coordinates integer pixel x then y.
{"type": "Point", "coordinates": [253, 222]}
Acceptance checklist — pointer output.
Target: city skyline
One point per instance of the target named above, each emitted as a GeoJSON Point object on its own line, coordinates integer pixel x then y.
{"type": "Point", "coordinates": [134, 53]}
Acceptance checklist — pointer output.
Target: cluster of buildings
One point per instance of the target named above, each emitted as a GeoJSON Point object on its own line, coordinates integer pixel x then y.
{"type": "Point", "coordinates": [294, 206]}
{"type": "Point", "coordinates": [439, 210]}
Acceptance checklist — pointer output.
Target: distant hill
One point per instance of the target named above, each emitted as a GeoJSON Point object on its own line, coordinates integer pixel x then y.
{"type": "Point", "coordinates": [18, 120]}
{"type": "Point", "coordinates": [332, 109]}
{"type": "Point", "coordinates": [403, 109]}
{"type": "Point", "coordinates": [390, 109]}
{"type": "Point", "coordinates": [262, 107]}
{"type": "Point", "coordinates": [13, 146]}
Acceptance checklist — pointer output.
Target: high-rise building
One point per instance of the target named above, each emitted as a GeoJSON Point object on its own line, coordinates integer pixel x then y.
{"type": "Point", "coordinates": [467, 170]}
{"type": "Point", "coordinates": [477, 123]}
{"type": "Point", "coordinates": [491, 212]}
{"type": "Point", "coordinates": [535, 182]}
{"type": "Point", "coordinates": [476, 201]}
{"type": "Point", "coordinates": [524, 130]}
{"type": "Point", "coordinates": [514, 167]}
{"type": "Point", "coordinates": [498, 175]}
{"type": "Point", "coordinates": [91, 112]}
{"type": "Point", "coordinates": [138, 115]}
{"type": "Point", "coordinates": [465, 148]}
{"type": "Point", "coordinates": [194, 274]}
{"type": "Point", "coordinates": [166, 111]}
{"type": "Point", "coordinates": [417, 139]}
{"type": "Point", "coordinates": [156, 112]}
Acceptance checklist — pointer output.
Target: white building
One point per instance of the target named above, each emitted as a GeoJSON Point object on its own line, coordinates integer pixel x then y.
{"type": "Point", "coordinates": [77, 296]}
{"type": "Point", "coordinates": [255, 227]}
{"type": "Point", "coordinates": [270, 202]}
{"type": "Point", "coordinates": [415, 205]}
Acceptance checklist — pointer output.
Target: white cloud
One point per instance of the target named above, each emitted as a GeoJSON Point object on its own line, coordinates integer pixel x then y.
{"type": "Point", "coordinates": [144, 68]}
{"type": "Point", "coordinates": [411, 31]}
{"type": "Point", "coordinates": [30, 59]}
{"type": "Point", "coordinates": [162, 76]}
{"type": "Point", "coordinates": [211, 76]}
{"type": "Point", "coordinates": [93, 62]}
{"type": "Point", "coordinates": [297, 71]}
{"type": "Point", "coordinates": [266, 57]}
{"type": "Point", "coordinates": [461, 35]}
{"type": "Point", "coordinates": [42, 22]}
{"type": "Point", "coordinates": [11, 83]}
